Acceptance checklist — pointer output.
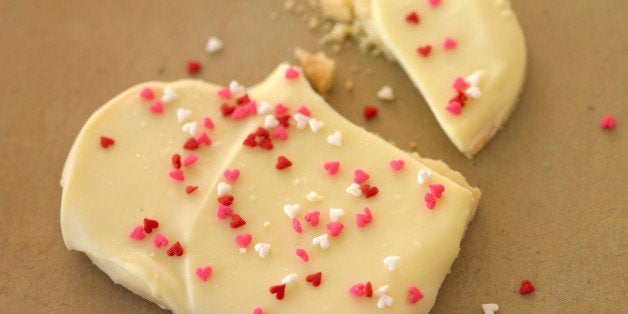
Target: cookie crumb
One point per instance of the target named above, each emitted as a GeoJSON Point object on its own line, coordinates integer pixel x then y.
{"type": "Point", "coordinates": [318, 68]}
{"type": "Point", "coordinates": [349, 85]}
{"type": "Point", "coordinates": [338, 10]}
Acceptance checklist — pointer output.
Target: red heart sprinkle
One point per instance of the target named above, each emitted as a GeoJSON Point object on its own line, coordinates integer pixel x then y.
{"type": "Point", "coordinates": [461, 97]}
{"type": "Point", "coordinates": [412, 18]}
{"type": "Point", "coordinates": [226, 200]}
{"type": "Point", "coordinates": [315, 279]}
{"type": "Point", "coordinates": [526, 287]}
{"type": "Point", "coordinates": [243, 100]}
{"type": "Point", "coordinates": [227, 109]}
{"type": "Point", "coordinates": [190, 144]}
{"type": "Point", "coordinates": [176, 161]}
{"type": "Point", "coordinates": [368, 190]}
{"type": "Point", "coordinates": [175, 249]}
{"type": "Point", "coordinates": [437, 190]}
{"type": "Point", "coordinates": [430, 200]}
{"type": "Point", "coordinates": [370, 112]}
{"type": "Point", "coordinates": [283, 163]}
{"type": "Point", "coordinates": [193, 67]}
{"type": "Point", "coordinates": [236, 221]}
{"type": "Point", "coordinates": [279, 291]}
{"type": "Point", "coordinates": [368, 289]}
{"type": "Point", "coordinates": [424, 50]}
{"type": "Point", "coordinates": [190, 189]}
{"type": "Point", "coordinates": [266, 143]}
{"type": "Point", "coordinates": [283, 119]}
{"type": "Point", "coordinates": [150, 224]}
{"type": "Point", "coordinates": [250, 140]}
{"type": "Point", "coordinates": [105, 142]}
{"type": "Point", "coordinates": [262, 132]}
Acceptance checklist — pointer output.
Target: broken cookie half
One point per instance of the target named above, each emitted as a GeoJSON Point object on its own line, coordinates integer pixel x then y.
{"type": "Point", "coordinates": [467, 58]}
{"type": "Point", "coordinates": [221, 200]}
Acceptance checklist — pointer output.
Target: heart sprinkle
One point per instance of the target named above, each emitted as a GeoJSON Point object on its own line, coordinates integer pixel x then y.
{"type": "Point", "coordinates": [263, 249]}
{"type": "Point", "coordinates": [316, 125]}
{"type": "Point", "coordinates": [335, 139]}
{"type": "Point", "coordinates": [391, 262]}
{"type": "Point", "coordinates": [607, 122]}
{"type": "Point", "coordinates": [424, 176]}
{"type": "Point", "coordinates": [332, 167]}
{"type": "Point", "coordinates": [283, 163]}
{"type": "Point", "coordinates": [224, 211]}
{"type": "Point", "coordinates": [190, 189]}
{"type": "Point", "coordinates": [226, 200]}
{"type": "Point", "coordinates": [370, 112]}
{"type": "Point", "coordinates": [193, 67]}
{"type": "Point", "coordinates": [526, 287]}
{"type": "Point", "coordinates": [204, 272]}
{"type": "Point", "coordinates": [157, 107]}
{"type": "Point", "coordinates": [363, 219]}
{"type": "Point", "coordinates": [412, 18]}
{"type": "Point", "coordinates": [176, 161]}
{"type": "Point", "coordinates": [191, 144]}
{"type": "Point", "coordinates": [213, 45]}
{"type": "Point", "coordinates": [302, 120]}
{"type": "Point", "coordinates": [227, 110]}
{"type": "Point", "coordinates": [289, 279]}
{"type": "Point", "coordinates": [322, 241]}
{"type": "Point", "coordinates": [437, 190]}
{"type": "Point", "coordinates": [454, 107]}
{"type": "Point", "coordinates": [280, 133]}
{"type": "Point", "coordinates": [335, 214]}
{"type": "Point", "coordinates": [314, 197]}
{"type": "Point", "coordinates": [424, 50]}
{"type": "Point", "coordinates": [231, 175]}
{"type": "Point", "coordinates": [279, 291]}
{"type": "Point", "coordinates": [433, 3]}
{"type": "Point", "coordinates": [223, 188]}
{"type": "Point", "coordinates": [243, 240]}
{"type": "Point", "coordinates": [414, 294]}
{"type": "Point", "coordinates": [354, 189]}
{"type": "Point", "coordinates": [224, 93]}
{"type": "Point", "coordinates": [236, 221]}
{"type": "Point", "coordinates": [291, 210]}
{"type": "Point", "coordinates": [302, 254]}
{"type": "Point", "coordinates": [430, 200]}
{"type": "Point", "coordinates": [150, 224]}
{"type": "Point", "coordinates": [160, 240]}
{"type": "Point", "coordinates": [258, 310]}
{"type": "Point", "coordinates": [359, 176]}
{"type": "Point", "coordinates": [105, 142]}
{"type": "Point", "coordinates": [137, 233]}
{"type": "Point", "coordinates": [361, 289]}
{"type": "Point", "coordinates": [314, 279]}
{"type": "Point", "coordinates": [208, 123]}
{"type": "Point", "coordinates": [335, 228]}
{"type": "Point", "coordinates": [490, 308]}
{"type": "Point", "coordinates": [291, 74]}
{"type": "Point", "coordinates": [449, 43]}
{"type": "Point", "coordinates": [147, 93]}
{"type": "Point", "coordinates": [183, 114]}
{"type": "Point", "coordinates": [369, 191]}
{"type": "Point", "coordinates": [312, 218]}
{"type": "Point", "coordinates": [190, 159]}
{"type": "Point", "coordinates": [460, 84]}
{"type": "Point", "coordinates": [396, 165]}
{"type": "Point", "coordinates": [384, 301]}
{"type": "Point", "coordinates": [177, 175]}
{"type": "Point", "coordinates": [190, 128]}
{"type": "Point", "coordinates": [296, 225]}
{"type": "Point", "coordinates": [175, 249]}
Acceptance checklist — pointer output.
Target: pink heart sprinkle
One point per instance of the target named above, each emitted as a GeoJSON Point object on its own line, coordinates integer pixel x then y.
{"type": "Point", "coordinates": [437, 189]}
{"type": "Point", "coordinates": [203, 139]}
{"type": "Point", "coordinates": [157, 107]}
{"type": "Point", "coordinates": [280, 133]}
{"type": "Point", "coordinates": [312, 218]}
{"type": "Point", "coordinates": [303, 255]}
{"type": "Point", "coordinates": [291, 73]}
{"type": "Point", "coordinates": [190, 159]}
{"type": "Point", "coordinates": [334, 228]}
{"type": "Point", "coordinates": [460, 84]}
{"type": "Point", "coordinates": [304, 110]}
{"type": "Point", "coordinates": [239, 113]}
{"type": "Point", "coordinates": [433, 3]}
{"type": "Point", "coordinates": [357, 289]}
{"type": "Point", "coordinates": [430, 200]}
{"type": "Point", "coordinates": [244, 239]}
{"type": "Point", "coordinates": [454, 108]}
{"type": "Point", "coordinates": [224, 211]}
{"type": "Point", "coordinates": [360, 176]}
{"type": "Point", "coordinates": [332, 167]}
{"type": "Point", "coordinates": [258, 310]}
{"type": "Point", "coordinates": [208, 123]}
{"type": "Point", "coordinates": [147, 93]}
{"type": "Point", "coordinates": [204, 272]}
{"type": "Point", "coordinates": [396, 165]}
{"type": "Point", "coordinates": [414, 294]}
{"type": "Point", "coordinates": [250, 107]}
{"type": "Point", "coordinates": [449, 43]}
{"type": "Point", "coordinates": [607, 122]}
{"type": "Point", "coordinates": [296, 225]}
{"type": "Point", "coordinates": [231, 175]}
{"type": "Point", "coordinates": [176, 175]}
{"type": "Point", "coordinates": [159, 240]}
{"type": "Point", "coordinates": [224, 93]}
{"type": "Point", "coordinates": [281, 109]}
{"type": "Point", "coordinates": [137, 233]}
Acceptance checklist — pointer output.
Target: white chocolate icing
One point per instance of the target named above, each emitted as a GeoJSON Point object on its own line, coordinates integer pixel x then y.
{"type": "Point", "coordinates": [108, 192]}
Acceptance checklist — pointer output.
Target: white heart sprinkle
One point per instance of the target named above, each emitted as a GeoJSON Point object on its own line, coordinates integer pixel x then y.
{"type": "Point", "coordinates": [316, 125]}
{"type": "Point", "coordinates": [291, 210]}
{"type": "Point", "coordinates": [381, 290]}
{"type": "Point", "coordinates": [301, 120]}
{"type": "Point", "coordinates": [474, 78]}
{"type": "Point", "coordinates": [424, 176]}
{"type": "Point", "coordinates": [169, 95]}
{"type": "Point", "coordinates": [223, 188]}
{"type": "Point", "coordinates": [354, 189]}
{"type": "Point", "coordinates": [262, 248]}
{"type": "Point", "coordinates": [190, 128]}
{"type": "Point", "coordinates": [384, 301]}
{"type": "Point", "coordinates": [213, 44]}
{"type": "Point", "coordinates": [289, 279]}
{"type": "Point", "coordinates": [490, 308]}
{"type": "Point", "coordinates": [335, 214]}
{"type": "Point", "coordinates": [473, 92]}
{"type": "Point", "coordinates": [386, 93]}
{"type": "Point", "coordinates": [391, 262]}
{"type": "Point", "coordinates": [314, 197]}
{"type": "Point", "coordinates": [264, 108]}
{"type": "Point", "coordinates": [236, 89]}
{"type": "Point", "coordinates": [183, 114]}
{"type": "Point", "coordinates": [335, 139]}
{"type": "Point", "coordinates": [322, 241]}
{"type": "Point", "coordinates": [270, 122]}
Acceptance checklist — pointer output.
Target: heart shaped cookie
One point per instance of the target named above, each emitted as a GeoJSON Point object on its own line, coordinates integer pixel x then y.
{"type": "Point", "coordinates": [188, 251]}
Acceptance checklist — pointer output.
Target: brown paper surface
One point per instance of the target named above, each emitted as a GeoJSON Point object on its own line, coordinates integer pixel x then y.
{"type": "Point", "coordinates": [554, 183]}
